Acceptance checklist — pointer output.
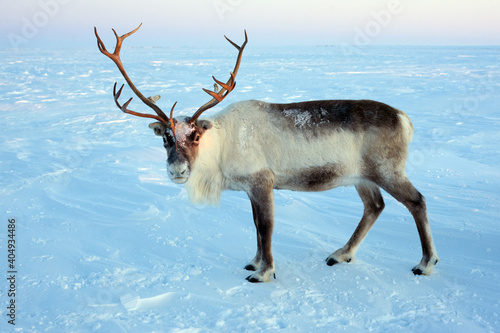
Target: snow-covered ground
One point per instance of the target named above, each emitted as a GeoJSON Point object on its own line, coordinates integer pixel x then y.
{"type": "Point", "coordinates": [106, 243]}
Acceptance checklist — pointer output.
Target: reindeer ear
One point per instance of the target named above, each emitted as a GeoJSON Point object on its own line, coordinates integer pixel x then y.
{"type": "Point", "coordinates": [203, 125]}
{"type": "Point", "coordinates": [158, 128]}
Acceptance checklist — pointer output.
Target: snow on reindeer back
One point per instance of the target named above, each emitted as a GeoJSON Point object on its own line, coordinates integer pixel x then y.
{"type": "Point", "coordinates": [302, 119]}
{"type": "Point", "coordinates": [306, 119]}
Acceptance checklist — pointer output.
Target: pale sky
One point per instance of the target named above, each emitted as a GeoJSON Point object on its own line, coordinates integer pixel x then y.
{"type": "Point", "coordinates": [69, 23]}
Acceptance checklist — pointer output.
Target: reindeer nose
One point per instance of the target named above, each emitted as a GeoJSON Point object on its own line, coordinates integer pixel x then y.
{"type": "Point", "coordinates": [178, 172]}
{"type": "Point", "coordinates": [181, 173]}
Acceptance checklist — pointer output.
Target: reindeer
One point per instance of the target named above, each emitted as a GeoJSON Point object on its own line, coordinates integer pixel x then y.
{"type": "Point", "coordinates": [256, 147]}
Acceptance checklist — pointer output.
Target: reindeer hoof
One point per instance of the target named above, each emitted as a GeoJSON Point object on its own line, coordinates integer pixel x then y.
{"type": "Point", "coordinates": [339, 256]}
{"type": "Point", "coordinates": [250, 267]}
{"type": "Point", "coordinates": [331, 261]}
{"type": "Point", "coordinates": [252, 279]}
{"type": "Point", "coordinates": [262, 276]}
{"type": "Point", "coordinates": [425, 267]}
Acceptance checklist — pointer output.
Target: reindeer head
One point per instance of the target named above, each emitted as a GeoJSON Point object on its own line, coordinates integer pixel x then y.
{"type": "Point", "coordinates": [182, 145]}
{"type": "Point", "coordinates": [181, 136]}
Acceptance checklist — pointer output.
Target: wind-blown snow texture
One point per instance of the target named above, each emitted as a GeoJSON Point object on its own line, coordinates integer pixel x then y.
{"type": "Point", "coordinates": [106, 243]}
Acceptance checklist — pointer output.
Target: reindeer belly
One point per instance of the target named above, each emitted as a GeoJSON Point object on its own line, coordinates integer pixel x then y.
{"type": "Point", "coordinates": [313, 179]}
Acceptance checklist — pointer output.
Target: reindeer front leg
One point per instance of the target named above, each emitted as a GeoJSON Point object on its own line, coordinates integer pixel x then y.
{"type": "Point", "coordinates": [256, 261]}
{"type": "Point", "coordinates": [262, 199]}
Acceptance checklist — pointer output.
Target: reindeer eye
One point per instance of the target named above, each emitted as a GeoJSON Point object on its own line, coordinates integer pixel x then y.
{"type": "Point", "coordinates": [197, 138]}
{"type": "Point", "coordinates": [168, 140]}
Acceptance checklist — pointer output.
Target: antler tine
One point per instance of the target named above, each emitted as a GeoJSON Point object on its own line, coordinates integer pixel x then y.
{"type": "Point", "coordinates": [240, 49]}
{"type": "Point", "coordinates": [115, 57]}
{"type": "Point", "coordinates": [124, 109]}
{"type": "Point", "coordinates": [227, 87]}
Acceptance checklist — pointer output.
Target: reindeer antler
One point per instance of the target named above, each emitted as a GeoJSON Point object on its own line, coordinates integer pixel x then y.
{"type": "Point", "coordinates": [227, 87]}
{"type": "Point", "coordinates": [115, 56]}
{"type": "Point", "coordinates": [217, 95]}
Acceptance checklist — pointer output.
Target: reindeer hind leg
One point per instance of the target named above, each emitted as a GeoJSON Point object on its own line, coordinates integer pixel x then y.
{"type": "Point", "coordinates": [403, 191]}
{"type": "Point", "coordinates": [373, 206]}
